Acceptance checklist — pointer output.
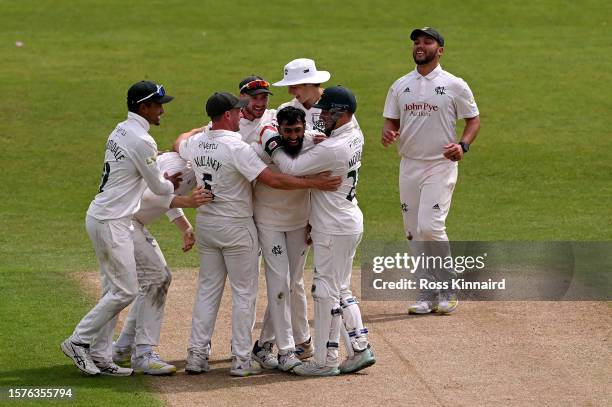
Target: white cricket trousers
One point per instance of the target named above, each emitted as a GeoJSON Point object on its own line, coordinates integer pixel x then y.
{"type": "Point", "coordinates": [144, 321]}
{"type": "Point", "coordinates": [333, 263]}
{"type": "Point", "coordinates": [114, 247]}
{"type": "Point", "coordinates": [286, 317]}
{"type": "Point", "coordinates": [426, 191]}
{"type": "Point", "coordinates": [227, 247]}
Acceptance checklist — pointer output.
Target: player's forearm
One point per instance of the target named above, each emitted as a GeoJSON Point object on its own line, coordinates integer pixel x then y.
{"type": "Point", "coordinates": [185, 136]}
{"type": "Point", "coordinates": [470, 131]}
{"type": "Point", "coordinates": [391, 125]}
{"type": "Point", "coordinates": [283, 181]}
{"type": "Point", "coordinates": [182, 223]}
{"type": "Point", "coordinates": [182, 201]}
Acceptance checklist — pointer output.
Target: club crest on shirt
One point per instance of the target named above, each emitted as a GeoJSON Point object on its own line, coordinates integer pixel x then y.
{"type": "Point", "coordinates": [440, 90]}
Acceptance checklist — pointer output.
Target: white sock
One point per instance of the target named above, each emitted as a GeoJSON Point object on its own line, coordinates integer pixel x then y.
{"type": "Point", "coordinates": [142, 349]}
{"type": "Point", "coordinates": [125, 340]}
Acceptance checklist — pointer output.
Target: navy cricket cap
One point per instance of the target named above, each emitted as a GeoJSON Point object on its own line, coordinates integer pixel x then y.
{"type": "Point", "coordinates": [428, 31]}
{"type": "Point", "coordinates": [221, 102]}
{"type": "Point", "coordinates": [337, 97]}
{"type": "Point", "coordinates": [147, 91]}
{"type": "Point", "coordinates": [254, 85]}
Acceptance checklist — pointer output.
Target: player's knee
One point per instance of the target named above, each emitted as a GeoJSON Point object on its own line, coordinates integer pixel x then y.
{"type": "Point", "coordinates": [429, 231]}
{"type": "Point", "coordinates": [321, 289]}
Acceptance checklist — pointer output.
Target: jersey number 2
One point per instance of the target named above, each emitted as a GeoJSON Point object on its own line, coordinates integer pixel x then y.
{"type": "Point", "coordinates": [105, 174]}
{"type": "Point", "coordinates": [355, 176]}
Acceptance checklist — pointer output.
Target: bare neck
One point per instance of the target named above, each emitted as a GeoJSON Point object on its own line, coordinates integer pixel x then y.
{"type": "Point", "coordinates": [427, 68]}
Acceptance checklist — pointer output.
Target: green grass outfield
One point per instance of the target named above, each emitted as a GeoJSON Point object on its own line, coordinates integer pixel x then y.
{"type": "Point", "coordinates": [540, 169]}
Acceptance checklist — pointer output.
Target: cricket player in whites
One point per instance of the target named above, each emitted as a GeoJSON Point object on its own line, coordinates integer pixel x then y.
{"type": "Point", "coordinates": [129, 167]}
{"type": "Point", "coordinates": [421, 111]}
{"type": "Point", "coordinates": [142, 327]}
{"type": "Point", "coordinates": [303, 81]}
{"type": "Point", "coordinates": [281, 218]}
{"type": "Point", "coordinates": [226, 234]}
{"type": "Point", "coordinates": [337, 226]}
{"type": "Point", "coordinates": [255, 114]}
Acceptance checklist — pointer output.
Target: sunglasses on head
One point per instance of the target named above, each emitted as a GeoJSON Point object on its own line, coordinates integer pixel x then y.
{"type": "Point", "coordinates": [258, 84]}
{"type": "Point", "coordinates": [159, 92]}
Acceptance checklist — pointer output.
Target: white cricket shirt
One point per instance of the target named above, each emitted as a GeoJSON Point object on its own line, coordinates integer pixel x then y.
{"type": "Point", "coordinates": [277, 209]}
{"type": "Point", "coordinates": [428, 108]}
{"type": "Point", "coordinates": [250, 129]}
{"type": "Point", "coordinates": [129, 167]}
{"type": "Point", "coordinates": [333, 212]}
{"type": "Point", "coordinates": [226, 165]}
{"type": "Point", "coordinates": [153, 206]}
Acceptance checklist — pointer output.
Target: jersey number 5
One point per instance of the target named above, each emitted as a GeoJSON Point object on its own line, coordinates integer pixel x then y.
{"type": "Point", "coordinates": [105, 174]}
{"type": "Point", "coordinates": [355, 176]}
{"type": "Point", "coordinates": [207, 180]}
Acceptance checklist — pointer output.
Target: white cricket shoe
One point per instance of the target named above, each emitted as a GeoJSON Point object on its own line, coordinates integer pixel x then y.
{"type": "Point", "coordinates": [448, 303]}
{"type": "Point", "coordinates": [264, 355]}
{"type": "Point", "coordinates": [122, 356]}
{"type": "Point", "coordinates": [421, 307]}
{"type": "Point", "coordinates": [304, 350]}
{"type": "Point", "coordinates": [197, 361]}
{"type": "Point", "coordinates": [151, 363]}
{"type": "Point", "coordinates": [360, 360]}
{"type": "Point", "coordinates": [79, 353]}
{"type": "Point", "coordinates": [244, 367]}
{"type": "Point", "coordinates": [110, 368]}
{"type": "Point", "coordinates": [313, 369]}
{"type": "Point", "coordinates": [288, 361]}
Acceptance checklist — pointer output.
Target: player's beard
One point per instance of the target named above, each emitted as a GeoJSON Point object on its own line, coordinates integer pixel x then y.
{"type": "Point", "coordinates": [428, 57]}
{"type": "Point", "coordinates": [253, 113]}
{"type": "Point", "coordinates": [294, 149]}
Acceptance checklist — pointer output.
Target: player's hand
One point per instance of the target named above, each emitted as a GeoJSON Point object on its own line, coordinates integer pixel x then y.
{"type": "Point", "coordinates": [453, 152]}
{"type": "Point", "coordinates": [319, 137]}
{"type": "Point", "coordinates": [326, 182]}
{"type": "Point", "coordinates": [175, 179]}
{"type": "Point", "coordinates": [389, 137]}
{"type": "Point", "coordinates": [201, 196]}
{"type": "Point", "coordinates": [188, 239]}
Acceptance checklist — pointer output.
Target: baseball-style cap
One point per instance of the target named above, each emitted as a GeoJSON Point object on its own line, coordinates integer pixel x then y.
{"type": "Point", "coordinates": [300, 71]}
{"type": "Point", "coordinates": [254, 85]}
{"type": "Point", "coordinates": [430, 32]}
{"type": "Point", "coordinates": [221, 102]}
{"type": "Point", "coordinates": [337, 97]}
{"type": "Point", "coordinates": [147, 91]}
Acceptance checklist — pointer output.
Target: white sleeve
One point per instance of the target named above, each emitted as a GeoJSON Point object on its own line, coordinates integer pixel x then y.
{"type": "Point", "coordinates": [316, 160]}
{"type": "Point", "coordinates": [464, 102]}
{"type": "Point", "coordinates": [392, 110]}
{"type": "Point", "coordinates": [143, 157]}
{"type": "Point", "coordinates": [184, 150]}
{"type": "Point", "coordinates": [174, 214]}
{"type": "Point", "coordinates": [247, 162]}
{"type": "Point", "coordinates": [260, 153]}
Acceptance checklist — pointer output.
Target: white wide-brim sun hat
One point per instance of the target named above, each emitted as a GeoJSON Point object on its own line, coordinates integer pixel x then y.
{"type": "Point", "coordinates": [302, 71]}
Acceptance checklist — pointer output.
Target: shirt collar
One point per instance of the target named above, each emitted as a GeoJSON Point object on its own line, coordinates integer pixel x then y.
{"type": "Point", "coordinates": [140, 120]}
{"type": "Point", "coordinates": [342, 129]}
{"type": "Point", "coordinates": [431, 75]}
